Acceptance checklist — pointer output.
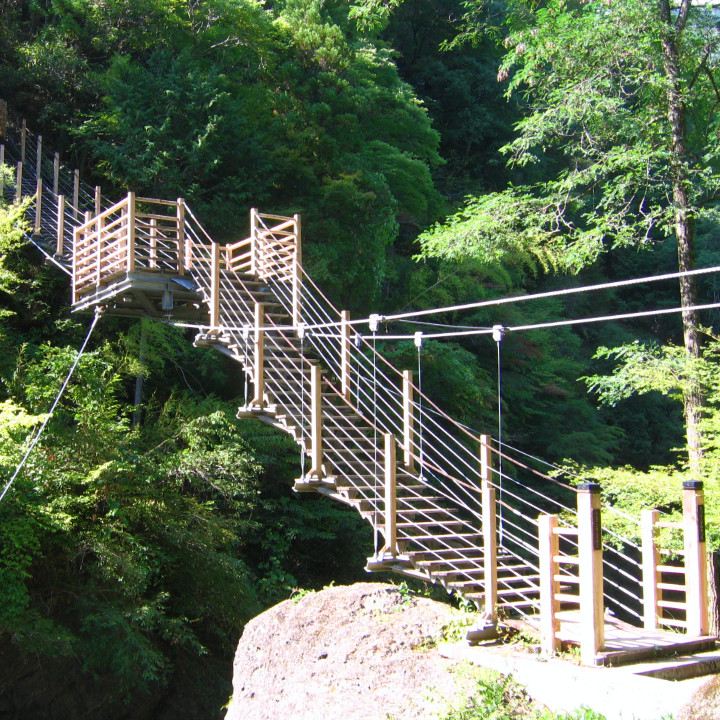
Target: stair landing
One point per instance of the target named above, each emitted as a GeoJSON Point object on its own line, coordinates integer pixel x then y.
{"type": "Point", "coordinates": [626, 644]}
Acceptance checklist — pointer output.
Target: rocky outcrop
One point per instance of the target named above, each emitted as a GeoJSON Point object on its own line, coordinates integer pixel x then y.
{"type": "Point", "coordinates": [362, 652]}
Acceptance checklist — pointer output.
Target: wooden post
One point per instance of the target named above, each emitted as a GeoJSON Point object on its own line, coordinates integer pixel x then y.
{"type": "Point", "coordinates": [183, 256]}
{"type": "Point", "coordinates": [56, 172]}
{"type": "Point", "coordinates": [254, 249]}
{"type": "Point", "coordinates": [408, 421]}
{"type": "Point", "coordinates": [153, 243]}
{"type": "Point", "coordinates": [76, 236]}
{"type": "Point", "coordinates": [23, 140]}
{"type": "Point", "coordinates": [76, 193]}
{"type": "Point", "coordinates": [549, 548]}
{"type": "Point", "coordinates": [695, 562]}
{"type": "Point", "coordinates": [98, 199]}
{"type": "Point", "coordinates": [4, 125]}
{"type": "Point", "coordinates": [345, 356]}
{"type": "Point", "coordinates": [489, 528]}
{"type": "Point", "coordinates": [38, 205]}
{"type": "Point", "coordinates": [259, 358]}
{"type": "Point", "coordinates": [38, 158]}
{"type": "Point", "coordinates": [650, 562]}
{"type": "Point", "coordinates": [297, 274]}
{"type": "Point", "coordinates": [316, 418]}
{"type": "Point", "coordinates": [18, 182]}
{"type": "Point", "coordinates": [60, 245]}
{"type": "Point", "coordinates": [592, 622]}
{"type": "Point", "coordinates": [131, 232]}
{"type": "Point", "coordinates": [389, 550]}
{"type": "Point", "coordinates": [215, 290]}
{"type": "Point", "coordinates": [97, 247]}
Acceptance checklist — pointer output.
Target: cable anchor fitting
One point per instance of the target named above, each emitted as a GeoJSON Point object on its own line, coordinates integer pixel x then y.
{"type": "Point", "coordinates": [498, 332]}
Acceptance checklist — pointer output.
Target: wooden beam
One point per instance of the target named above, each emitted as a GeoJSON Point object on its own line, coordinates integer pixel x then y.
{"type": "Point", "coordinates": [259, 355]}
{"type": "Point", "coordinates": [254, 246]}
{"type": "Point", "coordinates": [18, 181]}
{"type": "Point", "coordinates": [60, 240]}
{"type": "Point", "coordinates": [695, 562]}
{"type": "Point", "coordinates": [76, 193]}
{"type": "Point", "coordinates": [408, 421]}
{"type": "Point", "coordinates": [297, 274]}
{"type": "Point", "coordinates": [389, 550]}
{"type": "Point", "coordinates": [650, 575]}
{"type": "Point", "coordinates": [38, 205]}
{"type": "Point", "coordinates": [549, 548]}
{"type": "Point", "coordinates": [38, 157]}
{"type": "Point", "coordinates": [98, 199]}
{"type": "Point", "coordinates": [131, 232]}
{"type": "Point", "coordinates": [592, 611]}
{"type": "Point", "coordinates": [345, 355]}
{"type": "Point", "coordinates": [316, 422]}
{"type": "Point", "coordinates": [183, 259]}
{"type": "Point", "coordinates": [215, 292]}
{"type": "Point", "coordinates": [56, 172]}
{"type": "Point", "coordinates": [489, 528]}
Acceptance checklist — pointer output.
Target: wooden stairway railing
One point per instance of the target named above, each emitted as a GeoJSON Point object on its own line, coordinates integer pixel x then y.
{"type": "Point", "coordinates": [440, 508]}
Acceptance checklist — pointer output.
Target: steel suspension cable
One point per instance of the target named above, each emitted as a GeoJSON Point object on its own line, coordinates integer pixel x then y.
{"type": "Point", "coordinates": [37, 437]}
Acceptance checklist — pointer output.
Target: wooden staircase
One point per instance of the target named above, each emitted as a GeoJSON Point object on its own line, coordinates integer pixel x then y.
{"type": "Point", "coordinates": [441, 509]}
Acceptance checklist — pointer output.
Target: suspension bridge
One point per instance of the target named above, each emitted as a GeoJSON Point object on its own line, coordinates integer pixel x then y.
{"type": "Point", "coordinates": [446, 505]}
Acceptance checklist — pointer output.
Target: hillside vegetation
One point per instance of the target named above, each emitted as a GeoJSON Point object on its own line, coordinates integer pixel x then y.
{"type": "Point", "coordinates": [440, 152]}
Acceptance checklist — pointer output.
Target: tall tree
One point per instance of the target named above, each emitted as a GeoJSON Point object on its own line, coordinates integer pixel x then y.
{"type": "Point", "coordinates": [621, 102]}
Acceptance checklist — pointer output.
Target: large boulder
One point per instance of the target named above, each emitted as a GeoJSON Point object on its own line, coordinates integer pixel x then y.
{"type": "Point", "coordinates": [362, 652]}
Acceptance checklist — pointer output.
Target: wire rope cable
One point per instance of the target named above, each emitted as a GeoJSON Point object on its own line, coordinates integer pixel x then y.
{"type": "Point", "coordinates": [536, 296]}
{"type": "Point", "coordinates": [40, 431]}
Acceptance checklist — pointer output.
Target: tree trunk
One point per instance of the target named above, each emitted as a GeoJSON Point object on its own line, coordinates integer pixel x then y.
{"type": "Point", "coordinates": [684, 220]}
{"type": "Point", "coordinates": [713, 567]}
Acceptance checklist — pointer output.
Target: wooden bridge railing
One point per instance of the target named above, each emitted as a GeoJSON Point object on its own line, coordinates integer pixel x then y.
{"type": "Point", "coordinates": [144, 234]}
{"type": "Point", "coordinates": [676, 594]}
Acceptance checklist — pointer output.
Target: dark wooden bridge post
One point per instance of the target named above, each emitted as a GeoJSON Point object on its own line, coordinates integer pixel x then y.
{"type": "Point", "coordinates": [18, 181]}
{"type": "Point", "coordinates": [695, 561]}
{"type": "Point", "coordinates": [592, 611]}
{"type": "Point", "coordinates": [650, 562]}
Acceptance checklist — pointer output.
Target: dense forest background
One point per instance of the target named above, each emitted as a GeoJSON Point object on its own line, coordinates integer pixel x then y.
{"type": "Point", "coordinates": [139, 540]}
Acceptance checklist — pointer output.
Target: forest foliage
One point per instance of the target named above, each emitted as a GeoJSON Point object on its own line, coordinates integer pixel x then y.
{"type": "Point", "coordinates": [389, 127]}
